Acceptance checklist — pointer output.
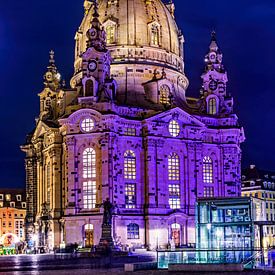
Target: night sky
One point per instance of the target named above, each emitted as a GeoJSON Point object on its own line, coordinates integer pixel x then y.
{"type": "Point", "coordinates": [246, 35]}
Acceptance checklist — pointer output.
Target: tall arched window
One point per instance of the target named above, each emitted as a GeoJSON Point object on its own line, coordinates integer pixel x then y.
{"type": "Point", "coordinates": [155, 35]}
{"type": "Point", "coordinates": [174, 176]}
{"type": "Point", "coordinates": [132, 231]}
{"type": "Point", "coordinates": [173, 167]}
{"type": "Point", "coordinates": [164, 94]}
{"type": "Point", "coordinates": [89, 163]}
{"type": "Point", "coordinates": [110, 34]}
{"type": "Point", "coordinates": [207, 170]}
{"type": "Point", "coordinates": [212, 106]}
{"type": "Point", "coordinates": [130, 165]}
{"type": "Point", "coordinates": [89, 176]}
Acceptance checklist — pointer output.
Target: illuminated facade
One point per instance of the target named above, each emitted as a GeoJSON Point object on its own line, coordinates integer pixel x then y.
{"type": "Point", "coordinates": [260, 184]}
{"type": "Point", "coordinates": [125, 130]}
{"type": "Point", "coordinates": [13, 213]}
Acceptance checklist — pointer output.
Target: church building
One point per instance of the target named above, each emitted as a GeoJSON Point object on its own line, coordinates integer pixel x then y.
{"type": "Point", "coordinates": [126, 130]}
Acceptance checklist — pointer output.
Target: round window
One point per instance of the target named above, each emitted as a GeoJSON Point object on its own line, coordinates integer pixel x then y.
{"type": "Point", "coordinates": [174, 128]}
{"type": "Point", "coordinates": [87, 125]}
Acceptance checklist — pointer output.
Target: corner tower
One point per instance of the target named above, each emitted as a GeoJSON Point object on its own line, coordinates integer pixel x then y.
{"type": "Point", "coordinates": [215, 99]}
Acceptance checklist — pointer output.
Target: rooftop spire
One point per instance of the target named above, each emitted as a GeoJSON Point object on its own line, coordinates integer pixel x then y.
{"type": "Point", "coordinates": [213, 59]}
{"type": "Point", "coordinates": [213, 45]}
{"type": "Point", "coordinates": [52, 76]}
{"type": "Point", "coordinates": [96, 34]}
{"type": "Point", "coordinates": [95, 15]}
{"type": "Point", "coordinates": [52, 67]}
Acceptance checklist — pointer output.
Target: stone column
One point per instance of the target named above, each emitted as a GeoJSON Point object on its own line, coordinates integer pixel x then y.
{"type": "Point", "coordinates": [192, 183]}
{"type": "Point", "coordinates": [103, 166]}
{"type": "Point", "coordinates": [150, 173]}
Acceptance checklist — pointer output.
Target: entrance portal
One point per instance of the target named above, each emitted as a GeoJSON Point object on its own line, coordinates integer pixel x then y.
{"type": "Point", "coordinates": [89, 235]}
{"type": "Point", "coordinates": [175, 233]}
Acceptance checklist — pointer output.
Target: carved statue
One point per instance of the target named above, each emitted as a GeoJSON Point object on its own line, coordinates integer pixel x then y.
{"type": "Point", "coordinates": [108, 212]}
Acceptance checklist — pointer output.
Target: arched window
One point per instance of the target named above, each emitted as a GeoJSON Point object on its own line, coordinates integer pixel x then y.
{"type": "Point", "coordinates": [173, 167]}
{"type": "Point", "coordinates": [130, 165]}
{"type": "Point", "coordinates": [89, 88]}
{"type": "Point", "coordinates": [89, 163]}
{"type": "Point", "coordinates": [89, 235]}
{"type": "Point", "coordinates": [132, 231]}
{"type": "Point", "coordinates": [164, 94]}
{"type": "Point", "coordinates": [110, 34]}
{"type": "Point", "coordinates": [207, 170]}
{"type": "Point", "coordinates": [174, 175]}
{"type": "Point", "coordinates": [155, 35]}
{"type": "Point", "coordinates": [212, 106]}
{"type": "Point", "coordinates": [89, 176]}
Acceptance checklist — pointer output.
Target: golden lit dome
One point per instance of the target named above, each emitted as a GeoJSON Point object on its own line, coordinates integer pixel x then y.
{"type": "Point", "coordinates": [142, 37]}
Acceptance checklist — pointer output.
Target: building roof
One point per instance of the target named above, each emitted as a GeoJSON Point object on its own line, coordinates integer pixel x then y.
{"type": "Point", "coordinates": [255, 177]}
{"type": "Point", "coordinates": [13, 192]}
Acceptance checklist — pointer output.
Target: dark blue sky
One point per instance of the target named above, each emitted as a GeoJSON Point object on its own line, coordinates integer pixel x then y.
{"type": "Point", "coordinates": [246, 35]}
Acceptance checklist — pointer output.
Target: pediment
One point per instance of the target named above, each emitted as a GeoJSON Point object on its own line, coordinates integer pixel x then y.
{"type": "Point", "coordinates": [178, 114]}
{"type": "Point", "coordinates": [111, 20]}
{"type": "Point", "coordinates": [78, 115]}
{"type": "Point", "coordinates": [40, 130]}
{"type": "Point", "coordinates": [47, 92]}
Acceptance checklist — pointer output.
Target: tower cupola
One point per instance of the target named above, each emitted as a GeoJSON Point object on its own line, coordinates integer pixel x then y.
{"type": "Point", "coordinates": [52, 77]}
{"type": "Point", "coordinates": [215, 100]}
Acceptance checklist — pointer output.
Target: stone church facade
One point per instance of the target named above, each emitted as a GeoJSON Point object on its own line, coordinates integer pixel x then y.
{"type": "Point", "coordinates": [126, 130]}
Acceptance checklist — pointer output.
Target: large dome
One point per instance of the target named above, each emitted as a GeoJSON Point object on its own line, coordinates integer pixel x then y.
{"type": "Point", "coordinates": [142, 37]}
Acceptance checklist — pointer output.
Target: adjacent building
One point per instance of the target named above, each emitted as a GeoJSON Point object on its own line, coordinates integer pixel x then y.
{"type": "Point", "coordinates": [260, 184]}
{"type": "Point", "coordinates": [126, 130]}
{"type": "Point", "coordinates": [12, 214]}
{"type": "Point", "coordinates": [229, 223]}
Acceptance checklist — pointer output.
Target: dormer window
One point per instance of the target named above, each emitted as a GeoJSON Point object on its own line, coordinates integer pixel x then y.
{"type": "Point", "coordinates": [155, 35]}
{"type": "Point", "coordinates": [110, 27]}
{"type": "Point", "coordinates": [110, 34]}
{"type": "Point", "coordinates": [8, 197]}
{"type": "Point", "coordinates": [18, 197]}
{"type": "Point", "coordinates": [12, 204]}
{"type": "Point", "coordinates": [164, 94]}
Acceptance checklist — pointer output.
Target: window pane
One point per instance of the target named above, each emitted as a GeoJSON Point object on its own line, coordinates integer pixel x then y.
{"type": "Point", "coordinates": [174, 128]}
{"type": "Point", "coordinates": [89, 163]}
{"type": "Point", "coordinates": [212, 106]}
{"type": "Point", "coordinates": [110, 34]}
{"type": "Point", "coordinates": [132, 231]}
{"type": "Point", "coordinates": [174, 196]}
{"type": "Point", "coordinates": [130, 195]}
{"type": "Point", "coordinates": [155, 35]}
{"type": "Point", "coordinates": [89, 194]}
{"type": "Point", "coordinates": [164, 94]}
{"type": "Point", "coordinates": [173, 167]}
{"type": "Point", "coordinates": [208, 192]}
{"type": "Point", "coordinates": [129, 165]}
{"type": "Point", "coordinates": [207, 170]}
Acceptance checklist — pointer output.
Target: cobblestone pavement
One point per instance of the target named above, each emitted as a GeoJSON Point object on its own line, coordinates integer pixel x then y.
{"type": "Point", "coordinates": [120, 271]}
{"type": "Point", "coordinates": [51, 265]}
